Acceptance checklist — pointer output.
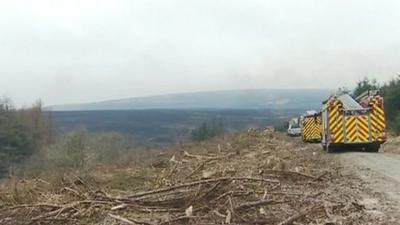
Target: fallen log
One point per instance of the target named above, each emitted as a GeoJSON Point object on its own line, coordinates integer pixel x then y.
{"type": "Point", "coordinates": [248, 205]}
{"type": "Point", "coordinates": [129, 221]}
{"type": "Point", "coordinates": [191, 184]}
{"type": "Point", "coordinates": [300, 215]}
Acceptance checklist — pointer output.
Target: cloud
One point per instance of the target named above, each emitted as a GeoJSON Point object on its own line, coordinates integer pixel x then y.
{"type": "Point", "coordinates": [80, 51]}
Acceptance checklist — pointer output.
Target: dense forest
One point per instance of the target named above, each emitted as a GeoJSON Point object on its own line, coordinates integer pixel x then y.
{"type": "Point", "coordinates": [391, 94]}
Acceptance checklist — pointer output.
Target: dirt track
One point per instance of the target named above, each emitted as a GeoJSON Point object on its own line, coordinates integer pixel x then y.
{"type": "Point", "coordinates": [379, 172]}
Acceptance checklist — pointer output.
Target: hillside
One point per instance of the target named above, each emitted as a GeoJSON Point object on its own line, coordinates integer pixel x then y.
{"type": "Point", "coordinates": [235, 99]}
{"type": "Point", "coordinates": [248, 178]}
{"type": "Point", "coordinates": [166, 126]}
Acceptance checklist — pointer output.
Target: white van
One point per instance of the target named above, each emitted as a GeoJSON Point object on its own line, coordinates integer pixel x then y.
{"type": "Point", "coordinates": [294, 128]}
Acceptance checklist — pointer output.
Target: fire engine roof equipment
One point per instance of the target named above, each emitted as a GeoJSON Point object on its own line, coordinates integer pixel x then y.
{"type": "Point", "coordinates": [349, 103]}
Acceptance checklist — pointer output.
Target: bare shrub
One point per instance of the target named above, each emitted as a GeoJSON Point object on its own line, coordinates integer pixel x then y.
{"type": "Point", "coordinates": [81, 151]}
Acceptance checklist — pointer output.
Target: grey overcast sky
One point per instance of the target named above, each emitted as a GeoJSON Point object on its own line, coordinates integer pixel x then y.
{"type": "Point", "coordinates": [76, 51]}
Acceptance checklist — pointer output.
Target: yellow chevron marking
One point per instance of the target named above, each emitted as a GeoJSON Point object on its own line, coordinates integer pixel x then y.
{"type": "Point", "coordinates": [351, 129]}
{"type": "Point", "coordinates": [374, 123]}
{"type": "Point", "coordinates": [351, 136]}
{"type": "Point", "coordinates": [378, 109]}
{"type": "Point", "coordinates": [376, 129]}
{"type": "Point", "coordinates": [333, 117]}
{"type": "Point", "coordinates": [334, 120]}
{"type": "Point", "coordinates": [312, 129]}
{"type": "Point", "coordinates": [357, 129]}
{"type": "Point", "coordinates": [350, 123]}
{"type": "Point", "coordinates": [340, 138]}
{"type": "Point", "coordinates": [381, 118]}
{"type": "Point", "coordinates": [338, 133]}
{"type": "Point", "coordinates": [335, 126]}
{"type": "Point", "coordinates": [335, 110]}
{"type": "Point", "coordinates": [338, 129]}
{"type": "Point", "coordinates": [363, 123]}
{"type": "Point", "coordinates": [379, 122]}
{"type": "Point", "coordinates": [363, 134]}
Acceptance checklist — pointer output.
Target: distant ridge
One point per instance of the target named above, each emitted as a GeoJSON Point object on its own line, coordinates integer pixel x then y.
{"type": "Point", "coordinates": [233, 99]}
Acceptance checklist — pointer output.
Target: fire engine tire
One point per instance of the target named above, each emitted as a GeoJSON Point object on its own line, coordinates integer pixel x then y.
{"type": "Point", "coordinates": [330, 149]}
{"type": "Point", "coordinates": [373, 148]}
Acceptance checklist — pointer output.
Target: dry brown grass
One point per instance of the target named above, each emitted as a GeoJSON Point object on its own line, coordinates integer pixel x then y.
{"type": "Point", "coordinates": [248, 178]}
{"type": "Point", "coordinates": [392, 145]}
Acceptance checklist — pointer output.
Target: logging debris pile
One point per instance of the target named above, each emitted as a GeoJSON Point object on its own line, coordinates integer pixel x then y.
{"type": "Point", "coordinates": [392, 145]}
{"type": "Point", "coordinates": [247, 178]}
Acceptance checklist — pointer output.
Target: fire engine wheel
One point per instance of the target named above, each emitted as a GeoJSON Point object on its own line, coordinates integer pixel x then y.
{"type": "Point", "coordinates": [373, 148]}
{"type": "Point", "coordinates": [329, 149]}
